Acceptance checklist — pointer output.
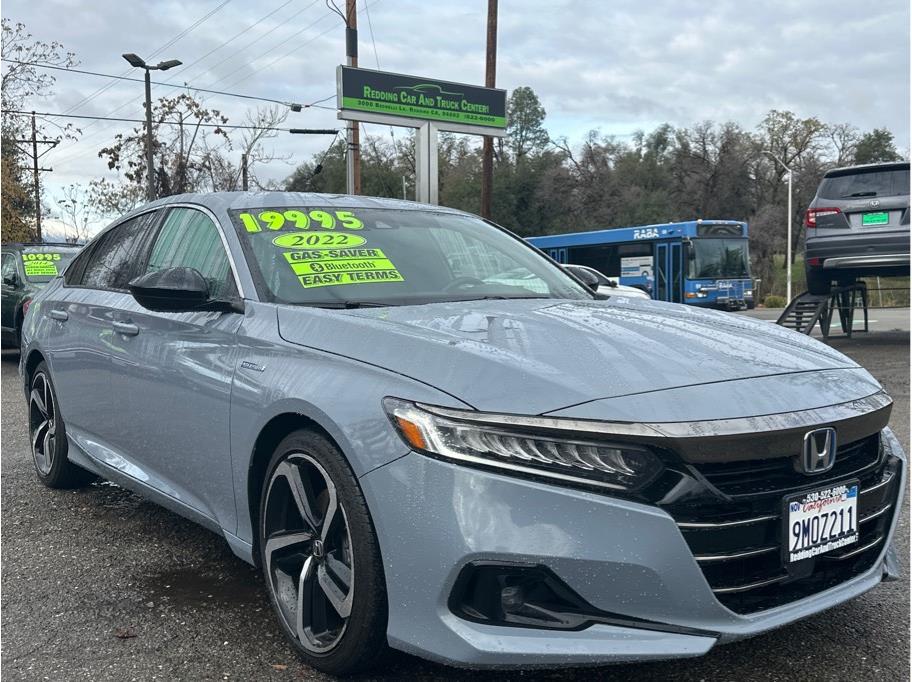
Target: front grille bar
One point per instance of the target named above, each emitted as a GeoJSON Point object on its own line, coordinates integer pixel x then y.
{"type": "Point", "coordinates": [750, 586]}
{"type": "Point", "coordinates": [725, 524]}
{"type": "Point", "coordinates": [698, 525]}
{"type": "Point", "coordinates": [706, 558]}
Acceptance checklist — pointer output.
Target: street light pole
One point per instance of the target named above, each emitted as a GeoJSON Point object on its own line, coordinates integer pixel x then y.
{"type": "Point", "coordinates": [140, 63]}
{"type": "Point", "coordinates": [788, 246]}
{"type": "Point", "coordinates": [150, 183]}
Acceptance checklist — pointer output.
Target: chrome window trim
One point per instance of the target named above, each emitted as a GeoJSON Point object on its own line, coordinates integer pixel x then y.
{"type": "Point", "coordinates": [221, 233]}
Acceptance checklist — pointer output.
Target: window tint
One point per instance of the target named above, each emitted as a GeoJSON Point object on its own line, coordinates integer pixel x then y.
{"type": "Point", "coordinates": [190, 239]}
{"type": "Point", "coordinates": [112, 262]}
{"type": "Point", "coordinates": [866, 184]}
{"type": "Point", "coordinates": [9, 265]}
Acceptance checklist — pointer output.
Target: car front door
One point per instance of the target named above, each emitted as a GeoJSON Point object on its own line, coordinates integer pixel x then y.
{"type": "Point", "coordinates": [10, 293]}
{"type": "Point", "coordinates": [174, 382]}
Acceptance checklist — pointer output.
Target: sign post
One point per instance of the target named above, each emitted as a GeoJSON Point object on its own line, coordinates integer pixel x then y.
{"type": "Point", "coordinates": [426, 104]}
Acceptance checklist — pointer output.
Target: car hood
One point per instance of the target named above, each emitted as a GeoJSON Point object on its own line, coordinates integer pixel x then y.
{"type": "Point", "coordinates": [536, 356]}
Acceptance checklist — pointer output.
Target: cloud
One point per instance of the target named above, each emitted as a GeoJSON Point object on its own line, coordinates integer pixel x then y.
{"type": "Point", "coordinates": [616, 66]}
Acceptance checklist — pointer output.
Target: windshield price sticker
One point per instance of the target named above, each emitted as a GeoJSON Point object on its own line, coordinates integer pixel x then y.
{"type": "Point", "coordinates": [40, 264]}
{"type": "Point", "coordinates": [318, 240]}
{"type": "Point", "coordinates": [329, 267]}
{"type": "Point", "coordinates": [302, 220]}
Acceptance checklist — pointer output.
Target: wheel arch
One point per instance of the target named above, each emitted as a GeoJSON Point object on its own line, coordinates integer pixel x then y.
{"type": "Point", "coordinates": [34, 358]}
{"type": "Point", "coordinates": [270, 435]}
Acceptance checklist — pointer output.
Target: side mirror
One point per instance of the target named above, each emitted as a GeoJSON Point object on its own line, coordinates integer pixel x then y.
{"type": "Point", "coordinates": [689, 248]}
{"type": "Point", "coordinates": [176, 290]}
{"type": "Point", "coordinates": [587, 278]}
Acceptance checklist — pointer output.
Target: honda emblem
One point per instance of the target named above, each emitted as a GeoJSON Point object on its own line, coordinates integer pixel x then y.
{"type": "Point", "coordinates": [819, 452]}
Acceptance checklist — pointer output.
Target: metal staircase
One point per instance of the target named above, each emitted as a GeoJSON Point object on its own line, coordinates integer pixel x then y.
{"type": "Point", "coordinates": [806, 310]}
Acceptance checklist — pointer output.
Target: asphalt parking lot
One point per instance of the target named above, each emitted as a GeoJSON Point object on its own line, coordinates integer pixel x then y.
{"type": "Point", "coordinates": [100, 584]}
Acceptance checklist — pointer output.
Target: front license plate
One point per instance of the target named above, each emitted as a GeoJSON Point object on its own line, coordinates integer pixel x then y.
{"type": "Point", "coordinates": [880, 218]}
{"type": "Point", "coordinates": [820, 520]}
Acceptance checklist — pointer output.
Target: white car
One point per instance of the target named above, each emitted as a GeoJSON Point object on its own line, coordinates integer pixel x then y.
{"type": "Point", "coordinates": [608, 286]}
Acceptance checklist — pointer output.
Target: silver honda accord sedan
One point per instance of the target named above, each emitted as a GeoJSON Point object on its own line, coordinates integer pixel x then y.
{"type": "Point", "coordinates": [430, 437]}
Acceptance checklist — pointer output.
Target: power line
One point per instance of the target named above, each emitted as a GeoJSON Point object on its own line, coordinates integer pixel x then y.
{"type": "Point", "coordinates": [240, 50]}
{"type": "Point", "coordinates": [128, 102]}
{"type": "Point", "coordinates": [298, 131]}
{"type": "Point", "coordinates": [295, 48]}
{"type": "Point", "coordinates": [157, 51]}
{"type": "Point", "coordinates": [170, 85]}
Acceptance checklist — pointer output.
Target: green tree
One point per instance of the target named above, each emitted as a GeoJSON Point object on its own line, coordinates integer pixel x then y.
{"type": "Point", "coordinates": [526, 132]}
{"type": "Point", "coordinates": [21, 84]}
{"type": "Point", "coordinates": [875, 146]}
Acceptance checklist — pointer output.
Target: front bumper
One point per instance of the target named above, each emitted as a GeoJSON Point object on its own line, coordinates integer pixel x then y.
{"type": "Point", "coordinates": [630, 559]}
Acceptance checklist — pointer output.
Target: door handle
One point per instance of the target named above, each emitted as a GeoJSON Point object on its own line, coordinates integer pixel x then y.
{"type": "Point", "coordinates": [126, 328]}
{"type": "Point", "coordinates": [61, 315]}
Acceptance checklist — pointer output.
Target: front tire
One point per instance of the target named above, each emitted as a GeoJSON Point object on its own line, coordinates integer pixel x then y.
{"type": "Point", "coordinates": [48, 435]}
{"type": "Point", "coordinates": [320, 557]}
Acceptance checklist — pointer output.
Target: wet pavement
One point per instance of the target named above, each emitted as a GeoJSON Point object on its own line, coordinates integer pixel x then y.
{"type": "Point", "coordinates": [100, 584]}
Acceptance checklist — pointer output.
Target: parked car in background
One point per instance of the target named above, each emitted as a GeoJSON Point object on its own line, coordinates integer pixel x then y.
{"type": "Point", "coordinates": [25, 269]}
{"type": "Point", "coordinates": [429, 436]}
{"type": "Point", "coordinates": [858, 226]}
{"type": "Point", "coordinates": [607, 286]}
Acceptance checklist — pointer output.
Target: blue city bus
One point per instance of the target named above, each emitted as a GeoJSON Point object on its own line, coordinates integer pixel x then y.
{"type": "Point", "coordinates": [698, 262]}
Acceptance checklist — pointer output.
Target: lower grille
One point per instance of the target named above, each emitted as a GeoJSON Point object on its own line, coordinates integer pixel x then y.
{"type": "Point", "coordinates": [734, 528]}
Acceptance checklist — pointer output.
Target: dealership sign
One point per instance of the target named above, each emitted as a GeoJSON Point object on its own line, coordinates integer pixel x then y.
{"type": "Point", "coordinates": [425, 99]}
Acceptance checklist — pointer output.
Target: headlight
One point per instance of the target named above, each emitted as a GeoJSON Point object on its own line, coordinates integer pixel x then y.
{"type": "Point", "coordinates": [749, 293]}
{"type": "Point", "coordinates": [535, 445]}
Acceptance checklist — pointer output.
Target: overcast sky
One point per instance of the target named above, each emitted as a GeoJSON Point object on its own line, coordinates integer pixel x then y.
{"type": "Point", "coordinates": [618, 66]}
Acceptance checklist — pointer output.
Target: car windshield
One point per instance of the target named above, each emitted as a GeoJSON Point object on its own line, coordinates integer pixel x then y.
{"type": "Point", "coordinates": [719, 258]}
{"type": "Point", "coordinates": [41, 264]}
{"type": "Point", "coordinates": [889, 183]}
{"type": "Point", "coordinates": [324, 256]}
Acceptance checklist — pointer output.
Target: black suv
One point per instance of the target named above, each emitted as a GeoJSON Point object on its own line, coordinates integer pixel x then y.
{"type": "Point", "coordinates": [25, 269]}
{"type": "Point", "coordinates": [858, 226]}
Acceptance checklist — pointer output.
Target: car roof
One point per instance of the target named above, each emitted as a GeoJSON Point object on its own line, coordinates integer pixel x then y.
{"type": "Point", "coordinates": [867, 167]}
{"type": "Point", "coordinates": [12, 246]}
{"type": "Point", "coordinates": [219, 202]}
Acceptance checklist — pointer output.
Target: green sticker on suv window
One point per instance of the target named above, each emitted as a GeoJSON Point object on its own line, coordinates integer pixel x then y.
{"type": "Point", "coordinates": [40, 268]}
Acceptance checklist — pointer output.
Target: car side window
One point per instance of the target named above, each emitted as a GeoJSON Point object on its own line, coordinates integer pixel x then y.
{"type": "Point", "coordinates": [9, 265]}
{"type": "Point", "coordinates": [188, 238]}
{"type": "Point", "coordinates": [113, 260]}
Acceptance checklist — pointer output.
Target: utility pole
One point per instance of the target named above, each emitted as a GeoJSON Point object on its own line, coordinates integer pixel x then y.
{"type": "Point", "coordinates": [244, 172]}
{"type": "Point", "coordinates": [353, 167]}
{"type": "Point", "coordinates": [35, 156]}
{"type": "Point", "coordinates": [487, 151]}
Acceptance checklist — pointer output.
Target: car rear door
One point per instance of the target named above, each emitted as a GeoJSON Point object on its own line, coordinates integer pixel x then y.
{"type": "Point", "coordinates": [81, 343]}
{"type": "Point", "coordinates": [174, 384]}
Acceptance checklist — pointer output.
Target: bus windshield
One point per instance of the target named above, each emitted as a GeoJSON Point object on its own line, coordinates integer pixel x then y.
{"type": "Point", "coordinates": [719, 258]}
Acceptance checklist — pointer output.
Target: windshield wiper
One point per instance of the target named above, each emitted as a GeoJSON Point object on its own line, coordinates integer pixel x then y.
{"type": "Point", "coordinates": [858, 194]}
{"type": "Point", "coordinates": [348, 305]}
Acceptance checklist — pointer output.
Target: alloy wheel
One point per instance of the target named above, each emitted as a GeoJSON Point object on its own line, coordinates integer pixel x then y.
{"type": "Point", "coordinates": [308, 552]}
{"type": "Point", "coordinates": [43, 423]}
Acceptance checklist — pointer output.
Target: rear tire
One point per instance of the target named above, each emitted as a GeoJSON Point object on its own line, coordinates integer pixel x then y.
{"type": "Point", "coordinates": [320, 557]}
{"type": "Point", "coordinates": [818, 282]}
{"type": "Point", "coordinates": [47, 433]}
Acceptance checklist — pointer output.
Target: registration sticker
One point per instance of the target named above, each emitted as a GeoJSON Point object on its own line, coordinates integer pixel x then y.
{"type": "Point", "coordinates": [820, 521]}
